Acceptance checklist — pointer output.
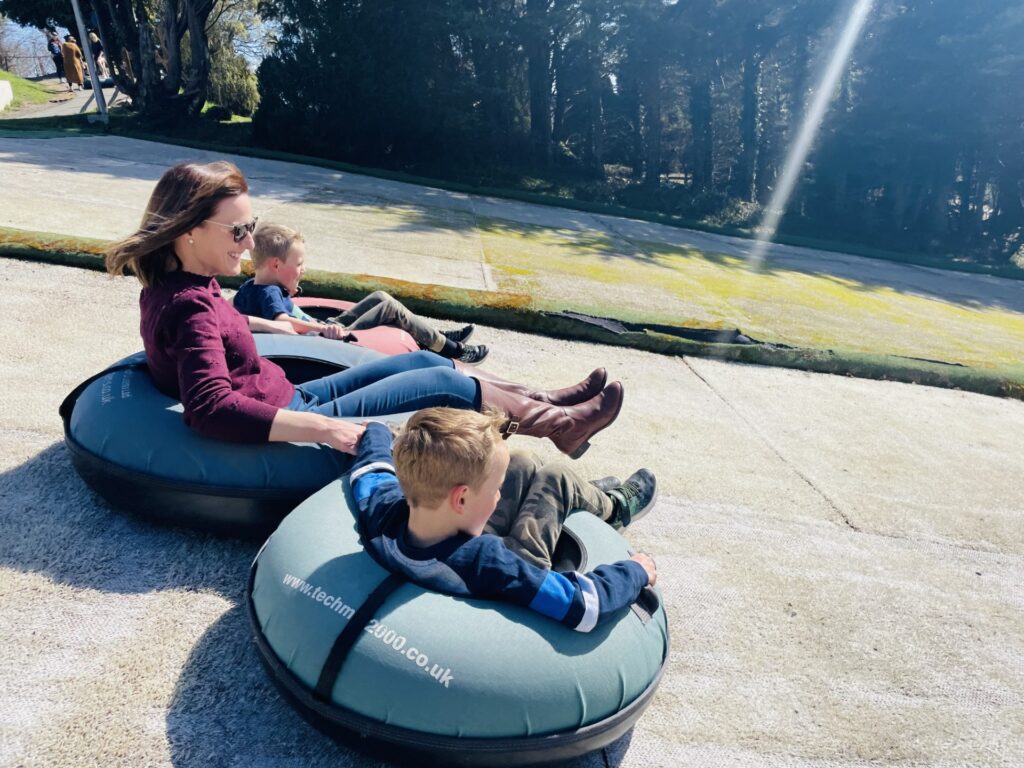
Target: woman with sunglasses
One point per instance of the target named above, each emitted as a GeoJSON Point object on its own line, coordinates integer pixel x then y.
{"type": "Point", "coordinates": [199, 349]}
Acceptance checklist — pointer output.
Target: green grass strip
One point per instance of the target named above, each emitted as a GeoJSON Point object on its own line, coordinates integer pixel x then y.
{"type": "Point", "coordinates": [520, 313]}
{"type": "Point", "coordinates": [227, 138]}
{"type": "Point", "coordinates": [26, 91]}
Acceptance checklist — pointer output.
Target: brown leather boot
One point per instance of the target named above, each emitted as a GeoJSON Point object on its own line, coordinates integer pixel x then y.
{"type": "Point", "coordinates": [568, 427]}
{"type": "Point", "coordinates": [571, 395]}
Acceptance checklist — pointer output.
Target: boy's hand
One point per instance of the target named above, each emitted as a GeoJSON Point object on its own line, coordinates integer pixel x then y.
{"type": "Point", "coordinates": [332, 331]}
{"type": "Point", "coordinates": [648, 564]}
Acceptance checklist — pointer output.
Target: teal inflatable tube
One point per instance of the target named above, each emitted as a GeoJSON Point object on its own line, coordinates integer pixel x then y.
{"type": "Point", "coordinates": [436, 678]}
{"type": "Point", "coordinates": [130, 443]}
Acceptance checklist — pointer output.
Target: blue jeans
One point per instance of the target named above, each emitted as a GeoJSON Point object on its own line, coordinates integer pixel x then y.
{"type": "Point", "coordinates": [390, 385]}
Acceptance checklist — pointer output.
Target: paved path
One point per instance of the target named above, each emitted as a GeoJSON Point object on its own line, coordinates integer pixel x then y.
{"type": "Point", "coordinates": [62, 103]}
{"type": "Point", "coordinates": [841, 562]}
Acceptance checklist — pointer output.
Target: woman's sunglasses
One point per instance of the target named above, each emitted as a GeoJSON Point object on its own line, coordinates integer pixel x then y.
{"type": "Point", "coordinates": [238, 231]}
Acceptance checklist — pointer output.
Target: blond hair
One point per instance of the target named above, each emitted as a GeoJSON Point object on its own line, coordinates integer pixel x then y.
{"type": "Point", "coordinates": [439, 448]}
{"type": "Point", "coordinates": [186, 195]}
{"type": "Point", "coordinates": [273, 241]}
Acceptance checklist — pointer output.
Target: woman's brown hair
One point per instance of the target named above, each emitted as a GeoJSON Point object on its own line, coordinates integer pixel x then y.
{"type": "Point", "coordinates": [184, 197]}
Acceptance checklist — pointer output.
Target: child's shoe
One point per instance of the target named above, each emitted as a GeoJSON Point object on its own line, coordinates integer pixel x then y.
{"type": "Point", "coordinates": [634, 498]}
{"type": "Point", "coordinates": [460, 335]}
{"type": "Point", "coordinates": [471, 355]}
{"type": "Point", "coordinates": [605, 484]}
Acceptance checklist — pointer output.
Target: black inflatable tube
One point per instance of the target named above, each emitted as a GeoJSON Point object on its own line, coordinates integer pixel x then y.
{"type": "Point", "coordinates": [243, 513]}
{"type": "Point", "coordinates": [250, 513]}
{"type": "Point", "coordinates": [415, 748]}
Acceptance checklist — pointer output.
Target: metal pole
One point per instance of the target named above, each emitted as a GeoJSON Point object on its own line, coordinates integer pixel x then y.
{"type": "Point", "coordinates": [97, 90]}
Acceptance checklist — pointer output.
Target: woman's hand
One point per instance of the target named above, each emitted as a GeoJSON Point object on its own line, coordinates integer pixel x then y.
{"type": "Point", "coordinates": [344, 436]}
{"type": "Point", "coordinates": [304, 427]}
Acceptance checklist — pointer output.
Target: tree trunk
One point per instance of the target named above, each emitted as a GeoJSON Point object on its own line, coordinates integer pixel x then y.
{"type": "Point", "coordinates": [149, 87]}
{"type": "Point", "coordinates": [965, 191]}
{"type": "Point", "coordinates": [170, 31]}
{"type": "Point", "coordinates": [743, 174]}
{"type": "Point", "coordinates": [538, 52]}
{"type": "Point", "coordinates": [561, 98]}
{"type": "Point", "coordinates": [1009, 208]}
{"type": "Point", "coordinates": [700, 120]}
{"type": "Point", "coordinates": [122, 44]}
{"type": "Point", "coordinates": [649, 84]}
{"type": "Point", "coordinates": [197, 12]}
{"type": "Point", "coordinates": [593, 150]}
{"type": "Point", "coordinates": [630, 91]}
{"type": "Point", "coordinates": [938, 224]}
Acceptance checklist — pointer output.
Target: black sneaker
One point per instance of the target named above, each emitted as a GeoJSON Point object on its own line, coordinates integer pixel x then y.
{"type": "Point", "coordinates": [605, 484]}
{"type": "Point", "coordinates": [459, 335]}
{"type": "Point", "coordinates": [634, 498]}
{"type": "Point", "coordinates": [472, 355]}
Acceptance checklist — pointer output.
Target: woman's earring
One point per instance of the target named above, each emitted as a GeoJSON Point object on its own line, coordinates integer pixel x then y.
{"type": "Point", "coordinates": [191, 241]}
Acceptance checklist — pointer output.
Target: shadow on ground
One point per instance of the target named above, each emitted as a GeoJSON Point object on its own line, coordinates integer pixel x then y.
{"type": "Point", "coordinates": [224, 703]}
{"type": "Point", "coordinates": [55, 525]}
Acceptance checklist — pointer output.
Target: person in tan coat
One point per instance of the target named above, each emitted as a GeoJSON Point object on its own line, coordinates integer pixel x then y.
{"type": "Point", "coordinates": [73, 69]}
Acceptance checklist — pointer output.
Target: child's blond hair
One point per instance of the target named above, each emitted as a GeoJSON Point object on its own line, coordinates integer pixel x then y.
{"type": "Point", "coordinates": [273, 241]}
{"type": "Point", "coordinates": [439, 448]}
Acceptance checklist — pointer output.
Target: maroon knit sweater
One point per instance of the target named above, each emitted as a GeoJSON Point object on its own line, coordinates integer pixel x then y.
{"type": "Point", "coordinates": [200, 350]}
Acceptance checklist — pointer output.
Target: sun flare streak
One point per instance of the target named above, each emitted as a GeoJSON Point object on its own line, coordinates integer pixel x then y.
{"type": "Point", "coordinates": [812, 121]}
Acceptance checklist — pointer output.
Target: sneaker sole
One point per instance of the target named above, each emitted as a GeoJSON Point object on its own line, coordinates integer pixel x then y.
{"type": "Point", "coordinates": [475, 362]}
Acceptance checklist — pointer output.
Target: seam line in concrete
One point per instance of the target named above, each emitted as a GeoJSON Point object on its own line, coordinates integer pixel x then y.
{"type": "Point", "coordinates": [485, 269]}
{"type": "Point", "coordinates": [616, 232]}
{"type": "Point", "coordinates": [843, 517]}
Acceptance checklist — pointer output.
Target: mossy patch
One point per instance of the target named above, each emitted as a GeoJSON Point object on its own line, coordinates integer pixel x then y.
{"type": "Point", "coordinates": [680, 285]}
{"type": "Point", "coordinates": [525, 312]}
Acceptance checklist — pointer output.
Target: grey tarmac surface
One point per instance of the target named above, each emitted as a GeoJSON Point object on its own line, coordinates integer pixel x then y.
{"type": "Point", "coordinates": [841, 562]}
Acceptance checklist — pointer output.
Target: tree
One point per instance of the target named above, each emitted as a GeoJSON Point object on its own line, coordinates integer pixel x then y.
{"type": "Point", "coordinates": [20, 55]}
{"type": "Point", "coordinates": [143, 39]}
{"type": "Point", "coordinates": [701, 100]}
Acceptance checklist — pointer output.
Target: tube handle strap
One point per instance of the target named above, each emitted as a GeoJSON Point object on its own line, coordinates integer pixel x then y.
{"type": "Point", "coordinates": [348, 636]}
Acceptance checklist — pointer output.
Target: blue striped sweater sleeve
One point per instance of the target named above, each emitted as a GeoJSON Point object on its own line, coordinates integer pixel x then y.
{"type": "Point", "coordinates": [577, 600]}
{"type": "Point", "coordinates": [373, 472]}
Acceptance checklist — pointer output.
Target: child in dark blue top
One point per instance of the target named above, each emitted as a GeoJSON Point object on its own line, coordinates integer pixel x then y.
{"type": "Point", "coordinates": [424, 512]}
{"type": "Point", "coordinates": [269, 301]}
{"type": "Point", "coordinates": [279, 261]}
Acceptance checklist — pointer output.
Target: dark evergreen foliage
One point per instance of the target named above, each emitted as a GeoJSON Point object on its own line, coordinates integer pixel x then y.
{"type": "Point", "coordinates": [686, 108]}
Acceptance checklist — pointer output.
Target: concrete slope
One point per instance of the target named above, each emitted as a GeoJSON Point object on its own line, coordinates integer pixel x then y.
{"type": "Point", "coordinates": [841, 562]}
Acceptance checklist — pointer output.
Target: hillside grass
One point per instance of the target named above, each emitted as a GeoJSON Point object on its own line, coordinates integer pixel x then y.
{"type": "Point", "coordinates": [867, 351]}
{"type": "Point", "coordinates": [25, 91]}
